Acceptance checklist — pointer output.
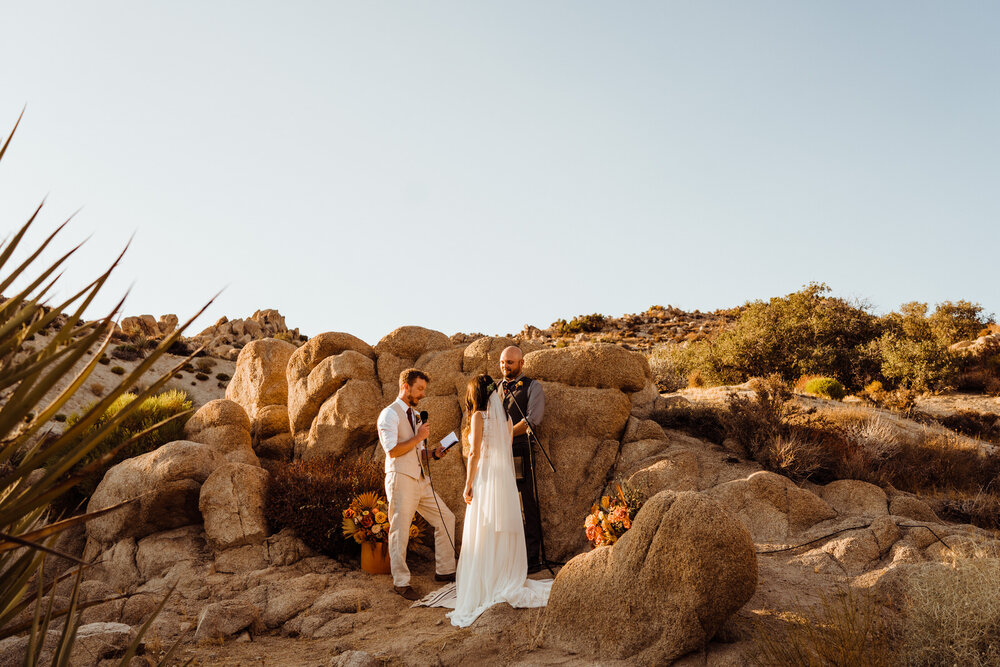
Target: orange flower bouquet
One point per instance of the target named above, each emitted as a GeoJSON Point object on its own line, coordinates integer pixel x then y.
{"type": "Point", "coordinates": [367, 520]}
{"type": "Point", "coordinates": [608, 521]}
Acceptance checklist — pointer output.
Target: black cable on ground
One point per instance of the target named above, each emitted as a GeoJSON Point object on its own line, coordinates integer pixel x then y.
{"type": "Point", "coordinates": [845, 530]}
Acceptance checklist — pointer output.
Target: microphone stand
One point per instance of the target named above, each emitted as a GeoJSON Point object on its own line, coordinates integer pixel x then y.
{"type": "Point", "coordinates": [534, 485]}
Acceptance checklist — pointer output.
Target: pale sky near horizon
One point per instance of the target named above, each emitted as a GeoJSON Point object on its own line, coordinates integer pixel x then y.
{"type": "Point", "coordinates": [361, 166]}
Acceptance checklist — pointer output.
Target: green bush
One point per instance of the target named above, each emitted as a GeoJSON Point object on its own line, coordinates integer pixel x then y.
{"type": "Point", "coordinates": [804, 333]}
{"type": "Point", "coordinates": [118, 370]}
{"type": "Point", "coordinates": [666, 371]}
{"type": "Point", "coordinates": [127, 352]}
{"type": "Point", "coordinates": [823, 386]}
{"type": "Point", "coordinates": [920, 365]}
{"type": "Point", "coordinates": [580, 324]}
{"type": "Point", "coordinates": [148, 413]}
{"type": "Point", "coordinates": [310, 497]}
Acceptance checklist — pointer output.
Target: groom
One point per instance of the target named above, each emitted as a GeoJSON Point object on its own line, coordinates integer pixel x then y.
{"type": "Point", "coordinates": [407, 486]}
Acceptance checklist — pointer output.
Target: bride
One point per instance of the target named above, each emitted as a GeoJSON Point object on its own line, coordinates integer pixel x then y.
{"type": "Point", "coordinates": [493, 566]}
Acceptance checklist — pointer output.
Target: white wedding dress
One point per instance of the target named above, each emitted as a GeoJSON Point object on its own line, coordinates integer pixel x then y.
{"type": "Point", "coordinates": [493, 565]}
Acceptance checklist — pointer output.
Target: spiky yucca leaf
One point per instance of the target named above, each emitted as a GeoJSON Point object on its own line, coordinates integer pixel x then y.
{"type": "Point", "coordinates": [28, 377]}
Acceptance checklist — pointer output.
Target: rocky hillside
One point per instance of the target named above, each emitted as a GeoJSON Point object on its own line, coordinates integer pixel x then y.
{"type": "Point", "coordinates": [638, 331]}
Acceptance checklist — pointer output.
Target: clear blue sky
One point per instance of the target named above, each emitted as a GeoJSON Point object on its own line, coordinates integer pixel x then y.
{"type": "Point", "coordinates": [363, 165]}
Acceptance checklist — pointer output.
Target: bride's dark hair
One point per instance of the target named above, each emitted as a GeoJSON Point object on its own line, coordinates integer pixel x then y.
{"type": "Point", "coordinates": [477, 394]}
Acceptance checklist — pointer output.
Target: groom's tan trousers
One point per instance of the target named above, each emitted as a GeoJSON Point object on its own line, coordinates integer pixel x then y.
{"type": "Point", "coordinates": [408, 495]}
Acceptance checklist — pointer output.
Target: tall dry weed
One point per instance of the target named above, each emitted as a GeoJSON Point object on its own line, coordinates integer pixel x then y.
{"type": "Point", "coordinates": [952, 614]}
{"type": "Point", "coordinates": [850, 629]}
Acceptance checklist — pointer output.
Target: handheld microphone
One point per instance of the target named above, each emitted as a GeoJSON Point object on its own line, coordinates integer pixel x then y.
{"type": "Point", "coordinates": [423, 416]}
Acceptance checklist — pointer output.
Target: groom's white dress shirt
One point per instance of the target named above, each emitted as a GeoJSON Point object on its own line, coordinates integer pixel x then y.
{"type": "Point", "coordinates": [394, 427]}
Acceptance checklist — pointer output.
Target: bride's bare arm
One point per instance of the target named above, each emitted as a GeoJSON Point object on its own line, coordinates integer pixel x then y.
{"type": "Point", "coordinates": [475, 453]}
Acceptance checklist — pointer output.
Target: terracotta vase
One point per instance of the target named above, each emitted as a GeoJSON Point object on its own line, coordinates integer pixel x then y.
{"type": "Point", "coordinates": [375, 557]}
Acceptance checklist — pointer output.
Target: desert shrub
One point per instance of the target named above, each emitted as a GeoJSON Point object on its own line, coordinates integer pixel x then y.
{"type": "Point", "coordinates": [666, 373]}
{"type": "Point", "coordinates": [983, 425]}
{"type": "Point", "coordinates": [96, 388]}
{"type": "Point", "coordinates": [795, 456]}
{"type": "Point", "coordinates": [180, 348]}
{"type": "Point", "coordinates": [126, 352]}
{"type": "Point", "coordinates": [310, 496]}
{"type": "Point", "coordinates": [60, 417]}
{"type": "Point", "coordinates": [849, 629]}
{"type": "Point", "coordinates": [921, 365]}
{"type": "Point", "coordinates": [806, 332]}
{"type": "Point", "coordinates": [695, 379]}
{"type": "Point", "coordinates": [224, 377]}
{"type": "Point", "coordinates": [979, 508]}
{"type": "Point", "coordinates": [201, 377]}
{"type": "Point", "coordinates": [952, 614]}
{"type": "Point", "coordinates": [958, 321]}
{"type": "Point", "coordinates": [118, 370]}
{"type": "Point", "coordinates": [287, 336]}
{"type": "Point", "coordinates": [754, 422]}
{"type": "Point", "coordinates": [706, 422]}
{"type": "Point", "coordinates": [824, 386]}
{"type": "Point", "coordinates": [148, 413]}
{"type": "Point", "coordinates": [580, 324]}
{"type": "Point", "coordinates": [104, 360]}
{"type": "Point", "coordinates": [204, 365]}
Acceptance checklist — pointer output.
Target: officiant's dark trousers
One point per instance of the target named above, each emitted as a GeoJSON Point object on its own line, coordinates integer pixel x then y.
{"type": "Point", "coordinates": [525, 485]}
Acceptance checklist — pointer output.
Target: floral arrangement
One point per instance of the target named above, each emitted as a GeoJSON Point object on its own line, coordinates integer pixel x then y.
{"type": "Point", "coordinates": [608, 521]}
{"type": "Point", "coordinates": [367, 520]}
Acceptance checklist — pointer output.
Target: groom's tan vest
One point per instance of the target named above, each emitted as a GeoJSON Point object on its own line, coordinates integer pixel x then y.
{"type": "Point", "coordinates": [409, 463]}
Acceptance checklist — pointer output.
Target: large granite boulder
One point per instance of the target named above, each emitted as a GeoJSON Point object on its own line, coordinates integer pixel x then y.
{"type": "Point", "coordinates": [595, 365]}
{"type": "Point", "coordinates": [260, 385]}
{"type": "Point", "coordinates": [232, 504]}
{"type": "Point", "coordinates": [333, 395]}
{"type": "Point", "coordinates": [224, 426]}
{"type": "Point", "coordinates": [854, 497]}
{"type": "Point", "coordinates": [581, 432]}
{"type": "Point", "coordinates": [165, 485]}
{"type": "Point", "coordinates": [347, 421]}
{"type": "Point", "coordinates": [483, 354]}
{"type": "Point", "coordinates": [401, 349]}
{"type": "Point", "coordinates": [444, 367]}
{"type": "Point", "coordinates": [661, 591]}
{"type": "Point", "coordinates": [308, 357]}
{"type": "Point", "coordinates": [770, 506]}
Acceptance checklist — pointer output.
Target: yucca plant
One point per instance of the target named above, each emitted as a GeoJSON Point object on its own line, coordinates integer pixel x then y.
{"type": "Point", "coordinates": [30, 397]}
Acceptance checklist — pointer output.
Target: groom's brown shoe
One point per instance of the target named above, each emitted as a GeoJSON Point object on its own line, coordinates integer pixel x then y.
{"type": "Point", "coordinates": [444, 577]}
{"type": "Point", "coordinates": [407, 593]}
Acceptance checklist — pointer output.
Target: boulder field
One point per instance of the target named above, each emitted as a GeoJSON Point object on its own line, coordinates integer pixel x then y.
{"type": "Point", "coordinates": [705, 545]}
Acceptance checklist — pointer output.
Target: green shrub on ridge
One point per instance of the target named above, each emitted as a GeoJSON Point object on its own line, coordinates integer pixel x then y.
{"type": "Point", "coordinates": [824, 386]}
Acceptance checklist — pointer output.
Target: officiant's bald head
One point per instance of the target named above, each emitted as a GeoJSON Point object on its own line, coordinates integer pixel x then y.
{"type": "Point", "coordinates": [511, 361]}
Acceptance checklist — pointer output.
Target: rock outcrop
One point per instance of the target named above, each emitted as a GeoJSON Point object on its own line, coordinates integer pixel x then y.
{"type": "Point", "coordinates": [163, 486]}
{"type": "Point", "coordinates": [232, 505]}
{"type": "Point", "coordinates": [333, 395]}
{"type": "Point", "coordinates": [663, 590]}
{"type": "Point", "coordinates": [224, 426]}
{"type": "Point", "coordinates": [260, 385]}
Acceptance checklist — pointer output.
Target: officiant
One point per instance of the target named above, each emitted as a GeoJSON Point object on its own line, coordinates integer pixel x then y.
{"type": "Point", "coordinates": [524, 402]}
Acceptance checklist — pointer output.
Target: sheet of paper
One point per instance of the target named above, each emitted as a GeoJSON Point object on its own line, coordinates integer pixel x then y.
{"type": "Point", "coordinates": [449, 440]}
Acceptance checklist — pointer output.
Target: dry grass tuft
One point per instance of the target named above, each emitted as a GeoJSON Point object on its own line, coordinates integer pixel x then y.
{"type": "Point", "coordinates": [848, 630]}
{"type": "Point", "coordinates": [952, 614]}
